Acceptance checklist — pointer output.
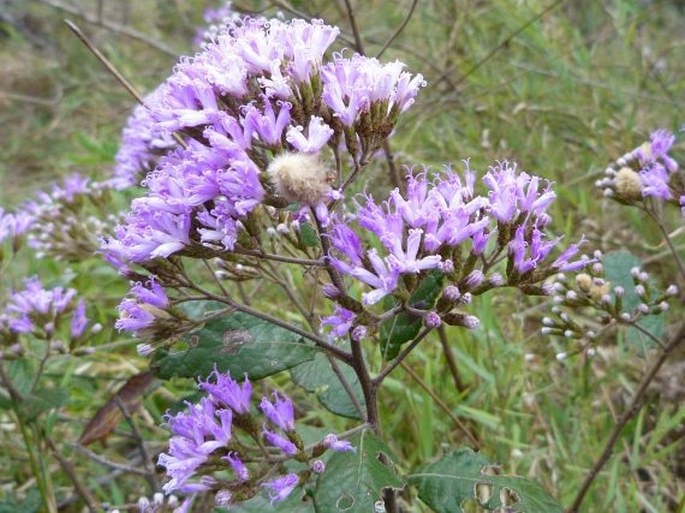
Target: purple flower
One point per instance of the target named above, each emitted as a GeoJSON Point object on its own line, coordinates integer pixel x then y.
{"type": "Point", "coordinates": [318, 134]}
{"type": "Point", "coordinates": [239, 467]}
{"type": "Point", "coordinates": [282, 487]}
{"type": "Point", "coordinates": [655, 182]}
{"type": "Point", "coordinates": [140, 311]}
{"type": "Point", "coordinates": [198, 432]}
{"type": "Point", "coordinates": [352, 86]}
{"type": "Point", "coordinates": [341, 321]}
{"type": "Point", "coordinates": [228, 391]}
{"type": "Point", "coordinates": [331, 442]}
{"type": "Point", "coordinates": [657, 150]}
{"type": "Point", "coordinates": [79, 321]}
{"type": "Point", "coordinates": [280, 412]}
{"type": "Point", "coordinates": [279, 441]}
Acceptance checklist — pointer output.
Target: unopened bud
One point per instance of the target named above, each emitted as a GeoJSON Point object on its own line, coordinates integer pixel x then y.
{"type": "Point", "coordinates": [663, 306]}
{"type": "Point", "coordinates": [465, 299]}
{"type": "Point", "coordinates": [640, 290]}
{"type": "Point", "coordinates": [432, 320]}
{"type": "Point", "coordinates": [451, 293]}
{"type": "Point", "coordinates": [619, 291]}
{"type": "Point", "coordinates": [359, 333]}
{"type": "Point", "coordinates": [672, 290]}
{"type": "Point", "coordinates": [643, 308]}
{"type": "Point", "coordinates": [546, 321]}
{"type": "Point", "coordinates": [496, 280]}
{"type": "Point", "coordinates": [474, 279]}
{"type": "Point", "coordinates": [318, 467]}
{"type": "Point", "coordinates": [223, 498]}
{"type": "Point", "coordinates": [561, 356]}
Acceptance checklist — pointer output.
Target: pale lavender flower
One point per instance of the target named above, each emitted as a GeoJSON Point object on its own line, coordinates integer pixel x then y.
{"type": "Point", "coordinates": [318, 134]}
{"type": "Point", "coordinates": [280, 412]}
{"type": "Point", "coordinates": [279, 441]}
{"type": "Point", "coordinates": [282, 487]}
{"type": "Point", "coordinates": [79, 321]}
{"type": "Point", "coordinates": [655, 182]}
{"type": "Point", "coordinates": [228, 391]}
{"type": "Point", "coordinates": [332, 442]}
{"type": "Point", "coordinates": [238, 466]}
{"type": "Point", "coordinates": [140, 311]}
{"type": "Point", "coordinates": [198, 431]}
{"type": "Point", "coordinates": [657, 150]}
{"type": "Point", "coordinates": [341, 322]}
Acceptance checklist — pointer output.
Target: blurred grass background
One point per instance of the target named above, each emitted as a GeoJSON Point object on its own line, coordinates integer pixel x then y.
{"type": "Point", "coordinates": [562, 87]}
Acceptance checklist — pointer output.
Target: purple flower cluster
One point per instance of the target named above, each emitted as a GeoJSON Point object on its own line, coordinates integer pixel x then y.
{"type": "Point", "coordinates": [443, 225]}
{"type": "Point", "coordinates": [428, 226]}
{"type": "Point", "coordinates": [647, 171]}
{"type": "Point", "coordinates": [257, 91]}
{"type": "Point", "coordinates": [39, 311]}
{"type": "Point", "coordinates": [14, 225]}
{"type": "Point", "coordinates": [148, 303]}
{"type": "Point", "coordinates": [210, 432]}
{"type": "Point", "coordinates": [142, 144]}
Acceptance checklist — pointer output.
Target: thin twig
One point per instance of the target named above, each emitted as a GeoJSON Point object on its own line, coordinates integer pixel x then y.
{"type": "Point", "coordinates": [387, 370]}
{"type": "Point", "coordinates": [399, 30]}
{"type": "Point", "coordinates": [278, 258]}
{"type": "Point", "coordinates": [150, 477]}
{"type": "Point", "coordinates": [667, 238]}
{"type": "Point", "coordinates": [451, 361]}
{"type": "Point", "coordinates": [358, 45]}
{"type": "Point", "coordinates": [68, 468]}
{"type": "Point", "coordinates": [111, 464]}
{"type": "Point", "coordinates": [114, 27]}
{"type": "Point", "coordinates": [632, 410]}
{"type": "Point", "coordinates": [502, 44]}
{"type": "Point", "coordinates": [118, 76]}
{"type": "Point", "coordinates": [441, 404]}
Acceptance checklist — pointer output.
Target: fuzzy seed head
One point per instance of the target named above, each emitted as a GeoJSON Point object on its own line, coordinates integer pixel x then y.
{"type": "Point", "coordinates": [299, 177]}
{"type": "Point", "coordinates": [628, 184]}
{"type": "Point", "coordinates": [584, 282]}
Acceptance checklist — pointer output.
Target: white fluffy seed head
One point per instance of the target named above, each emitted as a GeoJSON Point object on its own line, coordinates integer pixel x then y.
{"type": "Point", "coordinates": [300, 177]}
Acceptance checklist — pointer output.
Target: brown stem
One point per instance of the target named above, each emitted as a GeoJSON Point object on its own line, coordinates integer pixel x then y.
{"type": "Point", "coordinates": [369, 388]}
{"type": "Point", "coordinates": [68, 468]}
{"type": "Point", "coordinates": [399, 29]}
{"type": "Point", "coordinates": [451, 361]}
{"type": "Point", "coordinates": [632, 410]}
{"type": "Point", "coordinates": [150, 477]}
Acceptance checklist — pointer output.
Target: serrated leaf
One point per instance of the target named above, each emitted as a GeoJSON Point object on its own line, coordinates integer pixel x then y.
{"type": "Point", "coordinates": [317, 376]}
{"type": "Point", "coordinates": [109, 414]}
{"type": "Point", "coordinates": [459, 476]}
{"type": "Point", "coordinates": [239, 343]}
{"type": "Point", "coordinates": [617, 266]}
{"type": "Point", "coordinates": [354, 481]}
{"type": "Point", "coordinates": [402, 328]}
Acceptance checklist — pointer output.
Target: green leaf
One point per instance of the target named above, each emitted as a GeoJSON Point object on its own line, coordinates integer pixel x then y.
{"type": "Point", "coordinates": [402, 328]}
{"type": "Point", "coordinates": [354, 481]}
{"type": "Point", "coordinates": [21, 374]}
{"type": "Point", "coordinates": [238, 343]}
{"type": "Point", "coordinates": [617, 266]}
{"type": "Point", "coordinates": [460, 476]}
{"type": "Point", "coordinates": [317, 376]}
{"type": "Point", "coordinates": [42, 400]}
{"type": "Point", "coordinates": [260, 504]}
{"type": "Point", "coordinates": [308, 235]}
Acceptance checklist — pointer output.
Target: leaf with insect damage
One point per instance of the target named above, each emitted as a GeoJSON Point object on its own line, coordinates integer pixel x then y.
{"type": "Point", "coordinates": [239, 343]}
{"type": "Point", "coordinates": [463, 475]}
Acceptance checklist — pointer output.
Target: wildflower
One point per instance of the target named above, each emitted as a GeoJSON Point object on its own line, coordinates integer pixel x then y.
{"type": "Point", "coordinates": [282, 487]}
{"type": "Point", "coordinates": [280, 412]}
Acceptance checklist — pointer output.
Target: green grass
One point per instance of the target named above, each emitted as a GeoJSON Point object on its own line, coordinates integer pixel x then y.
{"type": "Point", "coordinates": [573, 91]}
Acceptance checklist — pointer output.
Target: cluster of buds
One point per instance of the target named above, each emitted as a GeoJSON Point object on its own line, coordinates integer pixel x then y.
{"type": "Point", "coordinates": [223, 433]}
{"type": "Point", "coordinates": [646, 172]}
{"type": "Point", "coordinates": [157, 504]}
{"type": "Point", "coordinates": [57, 223]}
{"type": "Point", "coordinates": [41, 313]}
{"type": "Point", "coordinates": [615, 305]}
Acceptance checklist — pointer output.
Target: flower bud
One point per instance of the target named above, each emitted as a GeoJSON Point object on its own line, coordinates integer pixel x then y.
{"type": "Point", "coordinates": [432, 320]}
{"type": "Point", "coordinates": [561, 356]}
{"type": "Point", "coordinates": [640, 290]}
{"type": "Point", "coordinates": [451, 293]}
{"type": "Point", "coordinates": [672, 290]}
{"type": "Point", "coordinates": [318, 467]}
